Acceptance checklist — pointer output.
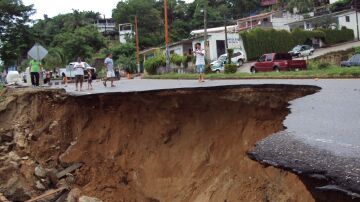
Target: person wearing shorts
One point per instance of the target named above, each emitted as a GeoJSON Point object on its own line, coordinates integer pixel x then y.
{"type": "Point", "coordinates": [110, 74]}
{"type": "Point", "coordinates": [200, 61]}
{"type": "Point", "coordinates": [79, 74]}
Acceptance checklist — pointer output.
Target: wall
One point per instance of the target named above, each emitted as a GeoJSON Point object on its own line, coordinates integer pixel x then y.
{"type": "Point", "coordinates": [234, 42]}
{"type": "Point", "coordinates": [350, 25]}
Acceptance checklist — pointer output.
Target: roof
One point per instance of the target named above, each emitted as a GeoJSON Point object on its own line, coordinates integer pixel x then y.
{"type": "Point", "coordinates": [230, 28]}
{"type": "Point", "coordinates": [255, 17]}
{"type": "Point", "coordinates": [148, 50]}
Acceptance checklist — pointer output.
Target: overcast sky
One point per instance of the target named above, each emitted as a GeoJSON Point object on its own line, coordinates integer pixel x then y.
{"type": "Point", "coordinates": [55, 7]}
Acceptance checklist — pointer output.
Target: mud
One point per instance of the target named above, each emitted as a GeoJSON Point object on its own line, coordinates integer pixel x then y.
{"type": "Point", "coordinates": [172, 145]}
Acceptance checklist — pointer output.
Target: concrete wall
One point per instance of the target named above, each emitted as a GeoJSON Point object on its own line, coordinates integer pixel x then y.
{"type": "Point", "coordinates": [351, 24]}
{"type": "Point", "coordinates": [234, 42]}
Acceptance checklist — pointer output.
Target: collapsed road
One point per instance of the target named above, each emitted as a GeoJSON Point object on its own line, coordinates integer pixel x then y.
{"type": "Point", "coordinates": [183, 141]}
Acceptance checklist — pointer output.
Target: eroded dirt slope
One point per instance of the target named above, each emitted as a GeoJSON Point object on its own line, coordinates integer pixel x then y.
{"type": "Point", "coordinates": [183, 145]}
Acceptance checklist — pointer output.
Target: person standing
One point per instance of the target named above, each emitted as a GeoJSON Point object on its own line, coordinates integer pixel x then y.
{"type": "Point", "coordinates": [110, 74]}
{"type": "Point", "coordinates": [79, 73]}
{"type": "Point", "coordinates": [90, 78]}
{"type": "Point", "coordinates": [200, 61]}
{"type": "Point", "coordinates": [35, 68]}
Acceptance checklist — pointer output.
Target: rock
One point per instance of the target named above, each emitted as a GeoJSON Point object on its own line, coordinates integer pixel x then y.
{"type": "Point", "coordinates": [13, 156]}
{"type": "Point", "coordinates": [7, 137]}
{"type": "Point", "coordinates": [20, 140]}
{"type": "Point", "coordinates": [40, 186]}
{"type": "Point", "coordinates": [40, 171]}
{"type": "Point", "coordinates": [15, 190]}
{"type": "Point", "coordinates": [25, 158]}
{"type": "Point", "coordinates": [3, 198]}
{"type": "Point", "coordinates": [89, 199]}
{"type": "Point", "coordinates": [53, 125]}
{"type": "Point", "coordinates": [74, 195]}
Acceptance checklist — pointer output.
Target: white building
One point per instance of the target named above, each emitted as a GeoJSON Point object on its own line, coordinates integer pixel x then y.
{"type": "Point", "coordinates": [126, 32]}
{"type": "Point", "coordinates": [346, 18]}
{"type": "Point", "coordinates": [182, 47]}
{"type": "Point", "coordinates": [106, 26]}
{"type": "Point", "coordinates": [216, 40]}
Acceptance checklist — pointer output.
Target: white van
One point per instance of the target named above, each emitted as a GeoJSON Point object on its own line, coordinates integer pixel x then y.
{"type": "Point", "coordinates": [70, 71]}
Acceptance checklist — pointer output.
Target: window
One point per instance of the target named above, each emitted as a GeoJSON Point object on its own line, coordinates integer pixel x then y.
{"type": "Point", "coordinates": [262, 58]}
{"type": "Point", "coordinates": [269, 58]}
{"type": "Point", "coordinates": [347, 18]}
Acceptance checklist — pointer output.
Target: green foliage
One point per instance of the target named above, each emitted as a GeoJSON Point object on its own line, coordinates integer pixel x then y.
{"type": "Point", "coordinates": [357, 50]}
{"type": "Point", "coordinates": [186, 59]}
{"type": "Point", "coordinates": [176, 59]}
{"type": "Point", "coordinates": [230, 53]}
{"type": "Point", "coordinates": [259, 41]}
{"type": "Point", "coordinates": [208, 69]}
{"type": "Point", "coordinates": [314, 65]}
{"type": "Point", "coordinates": [337, 36]}
{"type": "Point", "coordinates": [14, 31]}
{"type": "Point", "coordinates": [230, 68]}
{"type": "Point", "coordinates": [340, 5]}
{"type": "Point", "coordinates": [152, 64]}
{"type": "Point", "coordinates": [302, 6]}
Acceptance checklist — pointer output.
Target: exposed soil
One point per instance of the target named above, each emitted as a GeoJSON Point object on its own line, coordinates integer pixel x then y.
{"type": "Point", "coordinates": [179, 145]}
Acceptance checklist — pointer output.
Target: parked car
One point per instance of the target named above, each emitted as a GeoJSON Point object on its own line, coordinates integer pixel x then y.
{"type": "Point", "coordinates": [353, 61]}
{"type": "Point", "coordinates": [218, 65]}
{"type": "Point", "coordinates": [302, 51]}
{"type": "Point", "coordinates": [69, 71]}
{"type": "Point", "coordinates": [277, 62]}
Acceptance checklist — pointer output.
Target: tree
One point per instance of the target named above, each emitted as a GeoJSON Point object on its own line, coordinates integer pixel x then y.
{"type": "Point", "coordinates": [15, 36]}
{"type": "Point", "coordinates": [149, 19]}
{"type": "Point", "coordinates": [302, 6]}
{"type": "Point", "coordinates": [83, 42]}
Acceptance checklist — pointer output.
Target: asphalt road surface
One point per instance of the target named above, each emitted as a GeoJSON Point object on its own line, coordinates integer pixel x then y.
{"type": "Point", "coordinates": [322, 136]}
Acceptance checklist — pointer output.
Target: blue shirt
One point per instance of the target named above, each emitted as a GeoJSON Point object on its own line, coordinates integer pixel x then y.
{"type": "Point", "coordinates": [109, 64]}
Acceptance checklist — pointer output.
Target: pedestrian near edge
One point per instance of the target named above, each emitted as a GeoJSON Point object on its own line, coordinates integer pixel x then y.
{"type": "Point", "coordinates": [35, 68]}
{"type": "Point", "coordinates": [110, 74]}
{"type": "Point", "coordinates": [79, 73]}
{"type": "Point", "coordinates": [200, 61]}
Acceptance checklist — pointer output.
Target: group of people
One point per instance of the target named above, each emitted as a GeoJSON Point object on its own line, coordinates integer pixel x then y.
{"type": "Point", "coordinates": [79, 69]}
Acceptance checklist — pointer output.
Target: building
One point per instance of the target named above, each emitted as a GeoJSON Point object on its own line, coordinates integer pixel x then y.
{"type": "Point", "coordinates": [347, 18]}
{"type": "Point", "coordinates": [277, 20]}
{"type": "Point", "coordinates": [126, 32]}
{"type": "Point", "coordinates": [182, 47]}
{"type": "Point", "coordinates": [268, 2]}
{"type": "Point", "coordinates": [107, 27]}
{"type": "Point", "coordinates": [216, 40]}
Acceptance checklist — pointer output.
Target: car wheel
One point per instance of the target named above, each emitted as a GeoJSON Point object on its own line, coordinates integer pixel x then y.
{"type": "Point", "coordinates": [240, 62]}
{"type": "Point", "coordinates": [253, 70]}
{"type": "Point", "coordinates": [217, 71]}
{"type": "Point", "coordinates": [276, 69]}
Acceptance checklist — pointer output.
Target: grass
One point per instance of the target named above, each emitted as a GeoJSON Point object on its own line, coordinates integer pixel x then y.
{"type": "Point", "coordinates": [330, 72]}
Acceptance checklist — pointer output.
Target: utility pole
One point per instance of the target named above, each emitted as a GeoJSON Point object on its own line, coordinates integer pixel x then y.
{"type": "Point", "coordinates": [167, 53]}
{"type": "Point", "coordinates": [105, 24]}
{"type": "Point", "coordinates": [357, 18]}
{"type": "Point", "coordinates": [205, 29]}
{"type": "Point", "coordinates": [137, 45]}
{"type": "Point", "coordinates": [226, 35]}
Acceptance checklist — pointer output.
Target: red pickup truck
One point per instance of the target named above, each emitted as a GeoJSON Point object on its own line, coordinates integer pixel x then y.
{"type": "Point", "coordinates": [277, 62]}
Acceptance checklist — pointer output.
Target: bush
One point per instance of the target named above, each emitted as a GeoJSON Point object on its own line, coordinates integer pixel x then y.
{"type": "Point", "coordinates": [259, 41]}
{"type": "Point", "coordinates": [324, 65]}
{"type": "Point", "coordinates": [152, 64]}
{"type": "Point", "coordinates": [186, 60]}
{"type": "Point", "coordinates": [230, 53]}
{"type": "Point", "coordinates": [230, 68]}
{"type": "Point", "coordinates": [357, 50]}
{"type": "Point", "coordinates": [337, 36]}
{"type": "Point", "coordinates": [208, 69]}
{"type": "Point", "coordinates": [176, 59]}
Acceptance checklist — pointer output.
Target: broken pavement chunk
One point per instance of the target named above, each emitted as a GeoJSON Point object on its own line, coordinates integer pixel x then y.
{"type": "Point", "coordinates": [69, 169]}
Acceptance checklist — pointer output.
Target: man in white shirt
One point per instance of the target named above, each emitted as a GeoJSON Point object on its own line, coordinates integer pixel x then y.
{"type": "Point", "coordinates": [110, 74]}
{"type": "Point", "coordinates": [200, 61]}
{"type": "Point", "coordinates": [79, 73]}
